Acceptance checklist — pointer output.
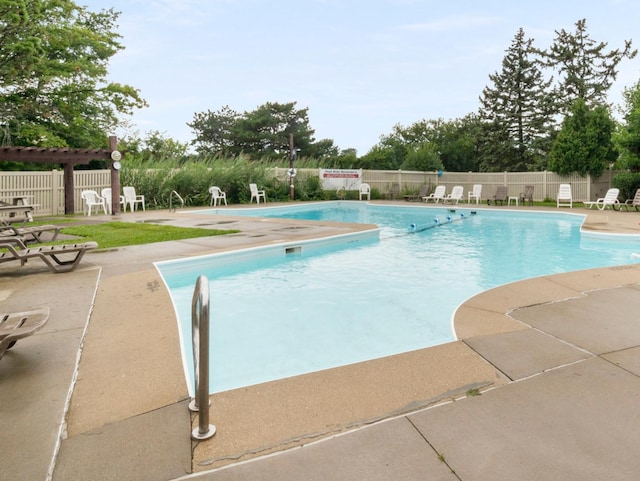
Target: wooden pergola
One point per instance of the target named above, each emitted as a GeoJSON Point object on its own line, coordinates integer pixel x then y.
{"type": "Point", "coordinates": [68, 158]}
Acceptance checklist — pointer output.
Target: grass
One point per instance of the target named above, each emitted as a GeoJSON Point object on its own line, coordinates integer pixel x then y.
{"type": "Point", "coordinates": [117, 234]}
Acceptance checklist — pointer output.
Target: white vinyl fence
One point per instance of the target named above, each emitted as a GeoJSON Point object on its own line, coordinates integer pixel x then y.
{"type": "Point", "coordinates": [47, 188]}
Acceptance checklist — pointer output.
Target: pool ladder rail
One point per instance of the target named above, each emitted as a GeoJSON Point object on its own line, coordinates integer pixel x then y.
{"type": "Point", "coordinates": [200, 343]}
{"type": "Point", "coordinates": [171, 208]}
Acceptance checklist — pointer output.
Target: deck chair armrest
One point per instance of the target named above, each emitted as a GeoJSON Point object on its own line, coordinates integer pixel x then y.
{"type": "Point", "coordinates": [10, 243]}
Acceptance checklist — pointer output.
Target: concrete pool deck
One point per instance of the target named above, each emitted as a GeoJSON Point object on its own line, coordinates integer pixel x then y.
{"type": "Point", "coordinates": [543, 383]}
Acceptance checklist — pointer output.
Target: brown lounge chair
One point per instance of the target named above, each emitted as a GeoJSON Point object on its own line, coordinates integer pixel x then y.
{"type": "Point", "coordinates": [424, 191]}
{"type": "Point", "coordinates": [527, 195]}
{"type": "Point", "coordinates": [59, 258]}
{"type": "Point", "coordinates": [31, 234]}
{"type": "Point", "coordinates": [501, 195]}
{"type": "Point", "coordinates": [17, 325]}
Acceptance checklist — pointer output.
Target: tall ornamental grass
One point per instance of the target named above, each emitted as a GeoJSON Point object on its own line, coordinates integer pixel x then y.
{"type": "Point", "coordinates": [192, 179]}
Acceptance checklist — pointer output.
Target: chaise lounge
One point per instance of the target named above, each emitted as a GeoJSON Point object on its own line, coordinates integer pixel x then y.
{"type": "Point", "coordinates": [18, 325]}
{"type": "Point", "coordinates": [59, 258]}
{"type": "Point", "coordinates": [610, 198]}
{"type": "Point", "coordinates": [635, 202]}
{"type": "Point", "coordinates": [31, 234]}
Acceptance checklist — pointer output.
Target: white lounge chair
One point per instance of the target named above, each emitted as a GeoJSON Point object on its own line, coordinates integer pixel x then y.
{"type": "Point", "coordinates": [455, 196]}
{"type": "Point", "coordinates": [609, 199]}
{"type": "Point", "coordinates": [365, 190]}
{"type": "Point", "coordinates": [256, 194]}
{"type": "Point", "coordinates": [565, 199]}
{"type": "Point", "coordinates": [437, 195]}
{"type": "Point", "coordinates": [217, 196]}
{"type": "Point", "coordinates": [91, 200]}
{"type": "Point", "coordinates": [475, 194]}
{"type": "Point", "coordinates": [131, 198]}
{"type": "Point", "coordinates": [17, 325]}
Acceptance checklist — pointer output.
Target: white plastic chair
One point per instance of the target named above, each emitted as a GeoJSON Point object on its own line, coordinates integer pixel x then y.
{"type": "Point", "coordinates": [91, 200]}
{"type": "Point", "coordinates": [565, 198]}
{"type": "Point", "coordinates": [475, 194]}
{"type": "Point", "coordinates": [365, 190]}
{"type": "Point", "coordinates": [256, 194]}
{"type": "Point", "coordinates": [131, 198]}
{"type": "Point", "coordinates": [217, 196]}
{"type": "Point", "coordinates": [106, 195]}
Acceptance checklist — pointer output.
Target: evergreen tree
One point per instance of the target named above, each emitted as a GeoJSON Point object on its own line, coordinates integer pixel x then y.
{"type": "Point", "coordinates": [517, 111]}
{"type": "Point", "coordinates": [586, 70]}
{"type": "Point", "coordinates": [584, 143]}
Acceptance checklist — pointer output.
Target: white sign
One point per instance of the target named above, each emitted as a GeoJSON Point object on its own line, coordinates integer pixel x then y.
{"type": "Point", "coordinates": [334, 179]}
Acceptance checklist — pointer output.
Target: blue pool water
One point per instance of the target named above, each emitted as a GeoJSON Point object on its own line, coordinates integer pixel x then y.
{"type": "Point", "coordinates": [330, 303]}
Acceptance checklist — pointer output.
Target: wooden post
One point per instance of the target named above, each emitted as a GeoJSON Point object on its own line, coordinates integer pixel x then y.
{"type": "Point", "coordinates": [115, 179]}
{"type": "Point", "coordinates": [69, 204]}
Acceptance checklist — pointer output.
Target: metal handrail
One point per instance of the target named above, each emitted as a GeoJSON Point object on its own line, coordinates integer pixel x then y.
{"type": "Point", "coordinates": [173, 192]}
{"type": "Point", "coordinates": [200, 343]}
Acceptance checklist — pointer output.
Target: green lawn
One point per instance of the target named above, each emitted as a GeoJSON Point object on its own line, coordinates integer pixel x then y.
{"type": "Point", "coordinates": [118, 234]}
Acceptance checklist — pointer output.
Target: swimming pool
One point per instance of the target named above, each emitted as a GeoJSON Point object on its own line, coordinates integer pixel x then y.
{"type": "Point", "coordinates": [281, 311]}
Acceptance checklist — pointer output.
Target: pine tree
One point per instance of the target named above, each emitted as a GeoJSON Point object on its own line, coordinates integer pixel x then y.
{"type": "Point", "coordinates": [517, 111]}
{"type": "Point", "coordinates": [586, 70]}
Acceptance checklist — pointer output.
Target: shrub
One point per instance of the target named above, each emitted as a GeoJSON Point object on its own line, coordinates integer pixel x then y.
{"type": "Point", "coordinates": [628, 183]}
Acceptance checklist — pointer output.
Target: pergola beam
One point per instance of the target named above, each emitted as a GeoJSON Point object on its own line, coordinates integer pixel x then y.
{"type": "Point", "coordinates": [68, 157]}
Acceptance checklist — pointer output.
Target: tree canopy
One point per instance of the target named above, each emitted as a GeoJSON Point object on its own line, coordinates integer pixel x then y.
{"type": "Point", "coordinates": [261, 133]}
{"type": "Point", "coordinates": [585, 69]}
{"type": "Point", "coordinates": [54, 56]}
{"type": "Point", "coordinates": [584, 143]}
{"type": "Point", "coordinates": [628, 135]}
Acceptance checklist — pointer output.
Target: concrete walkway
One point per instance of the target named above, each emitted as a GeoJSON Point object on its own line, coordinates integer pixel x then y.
{"type": "Point", "coordinates": [543, 383]}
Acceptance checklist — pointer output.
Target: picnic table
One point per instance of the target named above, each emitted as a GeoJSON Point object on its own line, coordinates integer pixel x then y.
{"type": "Point", "coordinates": [18, 208]}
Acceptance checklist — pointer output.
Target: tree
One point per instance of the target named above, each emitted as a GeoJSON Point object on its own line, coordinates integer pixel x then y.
{"type": "Point", "coordinates": [586, 70]}
{"type": "Point", "coordinates": [155, 146]}
{"type": "Point", "coordinates": [627, 137]}
{"type": "Point", "coordinates": [584, 143]}
{"type": "Point", "coordinates": [214, 131]}
{"type": "Point", "coordinates": [456, 141]}
{"type": "Point", "coordinates": [423, 158]}
{"type": "Point", "coordinates": [428, 145]}
{"type": "Point", "coordinates": [263, 132]}
{"type": "Point", "coordinates": [517, 111]}
{"type": "Point", "coordinates": [53, 66]}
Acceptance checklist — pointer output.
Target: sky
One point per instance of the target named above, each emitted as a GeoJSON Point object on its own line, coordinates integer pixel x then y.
{"type": "Point", "coordinates": [360, 67]}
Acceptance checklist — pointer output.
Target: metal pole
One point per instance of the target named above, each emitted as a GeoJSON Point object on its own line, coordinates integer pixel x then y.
{"type": "Point", "coordinates": [291, 176]}
{"type": "Point", "coordinates": [115, 179]}
{"type": "Point", "coordinates": [200, 342]}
